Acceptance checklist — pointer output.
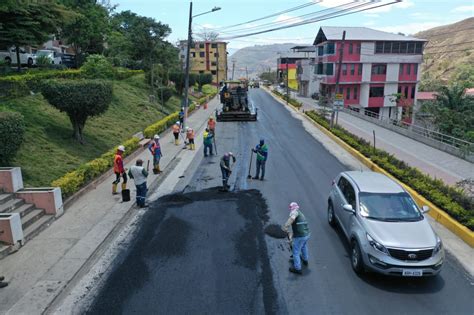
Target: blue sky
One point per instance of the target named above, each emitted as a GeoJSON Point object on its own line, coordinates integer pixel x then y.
{"type": "Point", "coordinates": [409, 16]}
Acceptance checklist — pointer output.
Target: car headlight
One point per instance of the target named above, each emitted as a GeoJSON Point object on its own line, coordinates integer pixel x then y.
{"type": "Point", "coordinates": [439, 245]}
{"type": "Point", "coordinates": [376, 245]}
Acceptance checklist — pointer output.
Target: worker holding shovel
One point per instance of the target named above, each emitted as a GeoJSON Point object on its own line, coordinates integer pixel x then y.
{"type": "Point", "coordinates": [262, 153]}
{"type": "Point", "coordinates": [226, 169]}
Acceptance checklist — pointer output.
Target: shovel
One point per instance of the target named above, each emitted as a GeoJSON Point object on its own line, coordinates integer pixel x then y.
{"type": "Point", "coordinates": [250, 166]}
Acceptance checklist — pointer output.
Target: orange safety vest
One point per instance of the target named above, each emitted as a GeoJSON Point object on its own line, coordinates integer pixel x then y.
{"type": "Point", "coordinates": [175, 128]}
{"type": "Point", "coordinates": [211, 124]}
{"type": "Point", "coordinates": [190, 134]}
{"type": "Point", "coordinates": [118, 164]}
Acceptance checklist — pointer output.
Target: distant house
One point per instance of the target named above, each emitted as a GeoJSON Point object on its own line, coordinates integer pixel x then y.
{"type": "Point", "coordinates": [288, 63]}
{"type": "Point", "coordinates": [376, 66]}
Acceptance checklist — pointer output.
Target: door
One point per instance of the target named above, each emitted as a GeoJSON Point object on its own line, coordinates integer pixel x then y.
{"type": "Point", "coordinates": [347, 197]}
{"type": "Point", "coordinates": [340, 201]}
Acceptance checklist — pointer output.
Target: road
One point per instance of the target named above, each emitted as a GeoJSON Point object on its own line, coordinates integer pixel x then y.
{"type": "Point", "coordinates": [203, 251]}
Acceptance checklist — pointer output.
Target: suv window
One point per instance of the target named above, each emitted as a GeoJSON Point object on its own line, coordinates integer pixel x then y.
{"type": "Point", "coordinates": [348, 191]}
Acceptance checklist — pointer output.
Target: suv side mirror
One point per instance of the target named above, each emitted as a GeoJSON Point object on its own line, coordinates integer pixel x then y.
{"type": "Point", "coordinates": [348, 208]}
{"type": "Point", "coordinates": [425, 209]}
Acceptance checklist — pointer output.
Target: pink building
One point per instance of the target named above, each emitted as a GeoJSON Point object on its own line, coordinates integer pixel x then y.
{"type": "Point", "coordinates": [376, 66]}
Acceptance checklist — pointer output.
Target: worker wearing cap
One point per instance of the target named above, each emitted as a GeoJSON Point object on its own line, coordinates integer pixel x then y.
{"type": "Point", "coordinates": [299, 237]}
{"type": "Point", "coordinates": [139, 175]}
{"type": "Point", "coordinates": [211, 125]}
{"type": "Point", "coordinates": [181, 116]}
{"type": "Point", "coordinates": [155, 149]}
{"type": "Point", "coordinates": [119, 170]}
{"type": "Point", "coordinates": [226, 169]}
{"type": "Point", "coordinates": [207, 140]}
{"type": "Point", "coordinates": [262, 153]}
{"type": "Point", "coordinates": [190, 137]}
{"type": "Point", "coordinates": [176, 128]}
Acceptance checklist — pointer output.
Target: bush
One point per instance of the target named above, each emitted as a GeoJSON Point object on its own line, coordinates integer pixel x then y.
{"type": "Point", "coordinates": [98, 67]}
{"type": "Point", "coordinates": [12, 130]}
{"type": "Point", "coordinates": [167, 93]}
{"type": "Point", "coordinates": [43, 61]}
{"type": "Point", "coordinates": [79, 99]}
{"type": "Point", "coordinates": [452, 200]}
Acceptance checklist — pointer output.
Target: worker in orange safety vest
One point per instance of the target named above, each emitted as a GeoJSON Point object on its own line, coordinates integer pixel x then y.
{"type": "Point", "coordinates": [176, 129]}
{"type": "Point", "coordinates": [119, 170]}
{"type": "Point", "coordinates": [190, 137]}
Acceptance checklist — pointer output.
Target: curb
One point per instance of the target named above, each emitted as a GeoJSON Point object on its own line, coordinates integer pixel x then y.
{"type": "Point", "coordinates": [436, 213]}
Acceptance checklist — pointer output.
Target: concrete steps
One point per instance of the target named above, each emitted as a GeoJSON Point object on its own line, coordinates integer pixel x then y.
{"type": "Point", "coordinates": [33, 220]}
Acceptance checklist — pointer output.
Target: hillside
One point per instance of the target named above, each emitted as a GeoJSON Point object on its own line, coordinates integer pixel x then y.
{"type": "Point", "coordinates": [452, 50]}
{"type": "Point", "coordinates": [257, 58]}
{"type": "Point", "coordinates": [48, 151]}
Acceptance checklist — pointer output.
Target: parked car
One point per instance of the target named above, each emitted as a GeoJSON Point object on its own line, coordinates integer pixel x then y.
{"type": "Point", "coordinates": [69, 60]}
{"type": "Point", "coordinates": [386, 230]}
{"type": "Point", "coordinates": [9, 56]}
{"type": "Point", "coordinates": [53, 56]}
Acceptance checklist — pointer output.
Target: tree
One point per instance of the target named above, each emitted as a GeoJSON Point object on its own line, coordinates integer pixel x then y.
{"type": "Point", "coordinates": [178, 78]}
{"type": "Point", "coordinates": [203, 79]}
{"type": "Point", "coordinates": [209, 36]}
{"type": "Point", "coordinates": [98, 67]}
{"type": "Point", "coordinates": [139, 39]}
{"type": "Point", "coordinates": [30, 23]}
{"type": "Point", "coordinates": [79, 99]}
{"type": "Point", "coordinates": [86, 33]}
{"type": "Point", "coordinates": [269, 76]}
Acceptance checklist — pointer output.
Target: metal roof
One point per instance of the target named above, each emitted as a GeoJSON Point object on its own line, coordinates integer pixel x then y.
{"type": "Point", "coordinates": [374, 182]}
{"type": "Point", "coordinates": [359, 33]}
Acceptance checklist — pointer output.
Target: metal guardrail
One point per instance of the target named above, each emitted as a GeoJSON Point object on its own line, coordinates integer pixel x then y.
{"type": "Point", "coordinates": [424, 132]}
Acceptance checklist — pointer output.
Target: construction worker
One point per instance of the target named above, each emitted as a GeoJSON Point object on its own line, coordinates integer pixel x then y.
{"type": "Point", "coordinates": [181, 116]}
{"type": "Point", "coordinates": [119, 170]}
{"type": "Point", "coordinates": [226, 169]}
{"type": "Point", "coordinates": [262, 153]}
{"type": "Point", "coordinates": [176, 128]}
{"type": "Point", "coordinates": [207, 138]}
{"type": "Point", "coordinates": [3, 283]}
{"type": "Point", "coordinates": [155, 149]}
{"type": "Point", "coordinates": [299, 237]}
{"type": "Point", "coordinates": [139, 175]}
{"type": "Point", "coordinates": [190, 137]}
{"type": "Point", "coordinates": [211, 125]}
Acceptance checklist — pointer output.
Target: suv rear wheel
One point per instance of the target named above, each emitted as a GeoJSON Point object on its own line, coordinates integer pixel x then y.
{"type": "Point", "coordinates": [331, 218]}
{"type": "Point", "coordinates": [356, 258]}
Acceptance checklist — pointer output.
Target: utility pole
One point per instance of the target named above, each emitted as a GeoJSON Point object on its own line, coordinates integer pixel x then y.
{"type": "Point", "coordinates": [217, 67]}
{"type": "Point", "coordinates": [233, 68]}
{"type": "Point", "coordinates": [338, 76]}
{"type": "Point", "coordinates": [247, 72]}
{"type": "Point", "coordinates": [188, 53]}
{"type": "Point", "coordinates": [287, 87]}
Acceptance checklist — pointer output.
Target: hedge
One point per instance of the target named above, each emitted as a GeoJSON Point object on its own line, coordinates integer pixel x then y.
{"type": "Point", "coordinates": [452, 200]}
{"type": "Point", "coordinates": [12, 130]}
{"type": "Point", "coordinates": [21, 84]}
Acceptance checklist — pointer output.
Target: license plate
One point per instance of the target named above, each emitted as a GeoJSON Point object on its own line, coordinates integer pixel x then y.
{"type": "Point", "coordinates": [412, 273]}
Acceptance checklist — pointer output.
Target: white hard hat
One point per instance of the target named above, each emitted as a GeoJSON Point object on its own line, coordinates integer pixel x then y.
{"type": "Point", "coordinates": [231, 154]}
{"type": "Point", "coordinates": [187, 128]}
{"type": "Point", "coordinates": [156, 137]}
{"type": "Point", "coordinates": [121, 148]}
{"type": "Point", "coordinates": [178, 123]}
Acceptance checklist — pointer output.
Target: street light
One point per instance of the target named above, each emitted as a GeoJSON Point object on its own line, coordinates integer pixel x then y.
{"type": "Point", "coordinates": [188, 50]}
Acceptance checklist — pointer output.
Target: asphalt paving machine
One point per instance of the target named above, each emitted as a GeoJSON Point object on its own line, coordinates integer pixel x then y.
{"type": "Point", "coordinates": [235, 103]}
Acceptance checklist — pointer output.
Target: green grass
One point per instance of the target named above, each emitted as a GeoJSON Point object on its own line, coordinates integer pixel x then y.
{"type": "Point", "coordinates": [49, 151]}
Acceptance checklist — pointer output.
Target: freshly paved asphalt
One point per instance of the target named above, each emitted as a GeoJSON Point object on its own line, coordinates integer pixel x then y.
{"type": "Point", "coordinates": [204, 252]}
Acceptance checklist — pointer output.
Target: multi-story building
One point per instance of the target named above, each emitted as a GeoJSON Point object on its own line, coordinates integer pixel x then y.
{"type": "Point", "coordinates": [380, 71]}
{"type": "Point", "coordinates": [287, 65]}
{"type": "Point", "coordinates": [305, 71]}
{"type": "Point", "coordinates": [207, 57]}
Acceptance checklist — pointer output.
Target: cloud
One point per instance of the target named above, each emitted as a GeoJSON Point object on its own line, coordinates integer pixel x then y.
{"type": "Point", "coordinates": [287, 19]}
{"type": "Point", "coordinates": [409, 28]}
{"type": "Point", "coordinates": [373, 16]}
{"type": "Point", "coordinates": [463, 9]}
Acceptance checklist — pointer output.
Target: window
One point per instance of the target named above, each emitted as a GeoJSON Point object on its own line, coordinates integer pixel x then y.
{"type": "Point", "coordinates": [201, 71]}
{"type": "Point", "coordinates": [341, 90]}
{"type": "Point", "coordinates": [319, 69]}
{"type": "Point", "coordinates": [330, 48]}
{"type": "Point", "coordinates": [359, 69]}
{"type": "Point", "coordinates": [379, 69]}
{"type": "Point", "coordinates": [213, 72]}
{"type": "Point", "coordinates": [348, 93]}
{"type": "Point", "coordinates": [415, 68]}
{"type": "Point", "coordinates": [400, 71]}
{"type": "Point", "coordinates": [408, 69]}
{"type": "Point", "coordinates": [350, 48]}
{"type": "Point", "coordinates": [352, 69]}
{"type": "Point", "coordinates": [202, 54]}
{"type": "Point", "coordinates": [356, 91]}
{"type": "Point", "coordinates": [201, 45]}
{"type": "Point", "coordinates": [411, 48]}
{"type": "Point", "coordinates": [358, 47]}
{"type": "Point", "coordinates": [320, 50]}
{"type": "Point", "coordinates": [193, 54]}
{"type": "Point", "coordinates": [344, 69]}
{"type": "Point", "coordinates": [406, 91]}
{"type": "Point", "coordinates": [399, 91]}
{"type": "Point", "coordinates": [389, 207]}
{"type": "Point", "coordinates": [213, 45]}
{"type": "Point", "coordinates": [403, 47]}
{"type": "Point", "coordinates": [395, 47]}
{"type": "Point", "coordinates": [347, 191]}
{"type": "Point", "coordinates": [419, 48]}
{"type": "Point", "coordinates": [379, 47]}
{"type": "Point", "coordinates": [376, 91]}
{"type": "Point", "coordinates": [413, 89]}
{"type": "Point", "coordinates": [328, 68]}
{"type": "Point", "coordinates": [387, 47]}
{"type": "Point", "coordinates": [213, 63]}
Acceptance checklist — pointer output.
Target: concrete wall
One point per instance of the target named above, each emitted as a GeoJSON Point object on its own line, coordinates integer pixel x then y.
{"type": "Point", "coordinates": [364, 94]}
{"type": "Point", "coordinates": [366, 72]}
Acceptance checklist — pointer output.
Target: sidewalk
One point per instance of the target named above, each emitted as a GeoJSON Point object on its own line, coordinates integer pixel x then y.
{"type": "Point", "coordinates": [429, 160]}
{"type": "Point", "coordinates": [42, 268]}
